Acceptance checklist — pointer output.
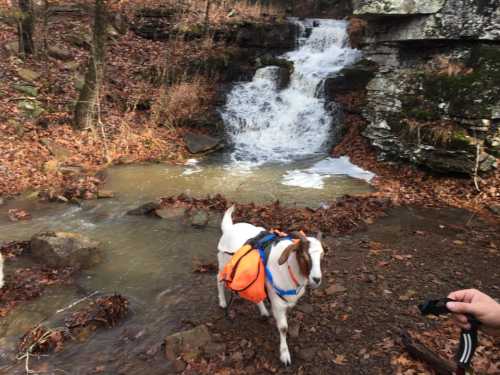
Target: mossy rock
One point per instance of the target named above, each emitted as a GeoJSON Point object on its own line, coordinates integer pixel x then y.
{"type": "Point", "coordinates": [31, 108]}
{"type": "Point", "coordinates": [470, 95]}
{"type": "Point", "coordinates": [269, 60]}
{"type": "Point", "coordinates": [28, 75]}
{"type": "Point", "coordinates": [26, 89]}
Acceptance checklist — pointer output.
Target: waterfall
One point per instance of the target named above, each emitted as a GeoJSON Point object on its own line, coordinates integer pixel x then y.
{"type": "Point", "coordinates": [266, 124]}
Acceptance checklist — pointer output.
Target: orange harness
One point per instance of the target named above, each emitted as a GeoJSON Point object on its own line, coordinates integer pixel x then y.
{"type": "Point", "coordinates": [246, 272]}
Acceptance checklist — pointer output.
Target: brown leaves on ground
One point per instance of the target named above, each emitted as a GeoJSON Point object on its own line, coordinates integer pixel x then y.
{"type": "Point", "coordinates": [343, 216]}
{"type": "Point", "coordinates": [443, 340]}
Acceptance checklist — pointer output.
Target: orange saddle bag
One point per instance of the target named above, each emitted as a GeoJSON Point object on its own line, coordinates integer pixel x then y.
{"type": "Point", "coordinates": [245, 274]}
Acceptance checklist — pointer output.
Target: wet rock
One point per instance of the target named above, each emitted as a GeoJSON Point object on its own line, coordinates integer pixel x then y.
{"type": "Point", "coordinates": [199, 218]}
{"type": "Point", "coordinates": [105, 194]}
{"type": "Point", "coordinates": [198, 143]}
{"type": "Point", "coordinates": [189, 344]}
{"type": "Point", "coordinates": [351, 78]}
{"type": "Point", "coordinates": [171, 213]}
{"type": "Point", "coordinates": [64, 249]}
{"type": "Point", "coordinates": [59, 52]}
{"type": "Point", "coordinates": [28, 74]}
{"type": "Point", "coordinates": [146, 209]}
{"type": "Point", "coordinates": [334, 289]}
{"type": "Point", "coordinates": [278, 36]}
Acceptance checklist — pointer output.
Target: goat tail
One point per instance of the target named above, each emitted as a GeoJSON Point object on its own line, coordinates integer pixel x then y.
{"type": "Point", "coordinates": [227, 220]}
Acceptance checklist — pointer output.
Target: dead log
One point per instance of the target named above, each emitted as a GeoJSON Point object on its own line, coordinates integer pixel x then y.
{"type": "Point", "coordinates": [419, 351]}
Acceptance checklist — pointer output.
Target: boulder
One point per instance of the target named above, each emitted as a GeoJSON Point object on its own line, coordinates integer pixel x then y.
{"type": "Point", "coordinates": [104, 194]}
{"type": "Point", "coordinates": [26, 90]}
{"type": "Point", "coordinates": [189, 344]}
{"type": "Point", "coordinates": [64, 249]}
{"type": "Point", "coordinates": [80, 40]}
{"type": "Point", "coordinates": [198, 143]}
{"type": "Point", "coordinates": [12, 47]}
{"type": "Point", "coordinates": [28, 74]}
{"type": "Point", "coordinates": [171, 213]}
{"type": "Point", "coordinates": [59, 52]}
{"type": "Point", "coordinates": [61, 153]}
{"type": "Point", "coordinates": [199, 218]}
{"type": "Point", "coordinates": [145, 209]}
{"type": "Point", "coordinates": [396, 7]}
{"type": "Point", "coordinates": [31, 108]}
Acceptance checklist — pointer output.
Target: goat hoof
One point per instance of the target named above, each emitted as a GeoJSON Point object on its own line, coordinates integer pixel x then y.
{"type": "Point", "coordinates": [223, 304]}
{"type": "Point", "coordinates": [285, 358]}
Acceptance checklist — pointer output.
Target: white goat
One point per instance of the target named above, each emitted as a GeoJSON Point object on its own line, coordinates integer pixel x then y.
{"type": "Point", "coordinates": [1, 271]}
{"type": "Point", "coordinates": [292, 265]}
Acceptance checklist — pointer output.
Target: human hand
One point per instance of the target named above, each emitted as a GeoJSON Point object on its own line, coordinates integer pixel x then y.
{"type": "Point", "coordinates": [481, 306]}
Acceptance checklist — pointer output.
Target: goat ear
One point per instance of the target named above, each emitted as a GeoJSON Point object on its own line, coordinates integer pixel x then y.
{"type": "Point", "coordinates": [286, 253]}
{"type": "Point", "coordinates": [319, 236]}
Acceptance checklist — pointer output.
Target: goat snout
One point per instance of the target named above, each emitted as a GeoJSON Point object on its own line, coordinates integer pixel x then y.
{"type": "Point", "coordinates": [316, 281]}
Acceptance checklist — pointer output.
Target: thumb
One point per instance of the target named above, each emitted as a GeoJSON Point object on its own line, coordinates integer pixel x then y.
{"type": "Point", "coordinates": [461, 307]}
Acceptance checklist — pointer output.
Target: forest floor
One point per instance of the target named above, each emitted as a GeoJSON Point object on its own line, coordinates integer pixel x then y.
{"type": "Point", "coordinates": [373, 281]}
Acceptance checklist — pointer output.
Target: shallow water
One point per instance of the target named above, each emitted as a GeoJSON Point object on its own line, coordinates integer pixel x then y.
{"type": "Point", "coordinates": [150, 260]}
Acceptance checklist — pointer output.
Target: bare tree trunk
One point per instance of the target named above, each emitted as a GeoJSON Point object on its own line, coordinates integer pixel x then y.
{"type": "Point", "coordinates": [207, 14]}
{"type": "Point", "coordinates": [87, 105]}
{"type": "Point", "coordinates": [25, 27]}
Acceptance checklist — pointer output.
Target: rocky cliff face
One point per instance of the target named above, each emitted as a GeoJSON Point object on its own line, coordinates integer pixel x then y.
{"type": "Point", "coordinates": [435, 97]}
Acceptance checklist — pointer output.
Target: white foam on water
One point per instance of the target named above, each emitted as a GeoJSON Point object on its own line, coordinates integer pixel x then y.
{"type": "Point", "coordinates": [191, 167]}
{"type": "Point", "coordinates": [265, 124]}
{"type": "Point", "coordinates": [315, 176]}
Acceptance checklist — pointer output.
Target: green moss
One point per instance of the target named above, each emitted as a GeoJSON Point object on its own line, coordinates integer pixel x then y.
{"type": "Point", "coordinates": [460, 140]}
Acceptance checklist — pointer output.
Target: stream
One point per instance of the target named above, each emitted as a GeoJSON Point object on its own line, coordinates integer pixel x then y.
{"type": "Point", "coordinates": [279, 151]}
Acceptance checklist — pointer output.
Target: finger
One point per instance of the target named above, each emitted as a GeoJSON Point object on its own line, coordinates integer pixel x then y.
{"type": "Point", "coordinates": [461, 319]}
{"type": "Point", "coordinates": [461, 308]}
{"type": "Point", "coordinates": [464, 295]}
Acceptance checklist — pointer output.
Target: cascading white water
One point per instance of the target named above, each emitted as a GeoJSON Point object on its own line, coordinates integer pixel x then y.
{"type": "Point", "coordinates": [267, 124]}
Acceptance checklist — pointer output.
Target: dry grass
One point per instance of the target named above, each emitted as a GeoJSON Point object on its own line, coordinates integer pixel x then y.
{"type": "Point", "coordinates": [435, 133]}
{"type": "Point", "coordinates": [184, 103]}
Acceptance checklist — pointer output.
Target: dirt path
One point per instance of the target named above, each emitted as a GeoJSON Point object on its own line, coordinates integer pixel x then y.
{"type": "Point", "coordinates": [404, 258]}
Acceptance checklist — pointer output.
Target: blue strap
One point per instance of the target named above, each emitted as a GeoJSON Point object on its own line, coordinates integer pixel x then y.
{"type": "Point", "coordinates": [269, 276]}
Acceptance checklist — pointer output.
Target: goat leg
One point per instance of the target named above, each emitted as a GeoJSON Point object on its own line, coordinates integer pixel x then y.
{"type": "Point", "coordinates": [279, 313]}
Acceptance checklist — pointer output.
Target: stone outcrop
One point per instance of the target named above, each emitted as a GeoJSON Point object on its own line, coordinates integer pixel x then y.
{"type": "Point", "coordinates": [199, 143]}
{"type": "Point", "coordinates": [435, 98]}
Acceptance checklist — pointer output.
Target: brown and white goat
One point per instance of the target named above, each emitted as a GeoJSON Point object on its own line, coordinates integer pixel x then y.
{"type": "Point", "coordinates": [293, 265]}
